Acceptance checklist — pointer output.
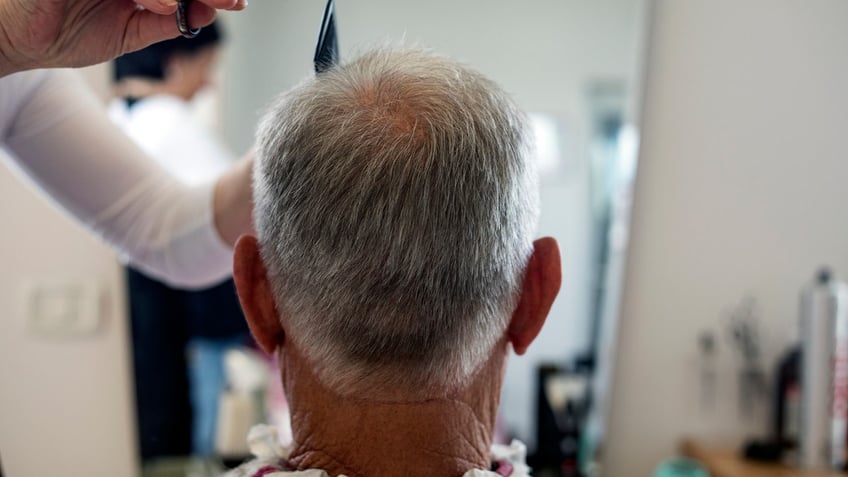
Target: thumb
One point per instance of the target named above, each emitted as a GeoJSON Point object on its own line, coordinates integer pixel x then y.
{"type": "Point", "coordinates": [145, 27]}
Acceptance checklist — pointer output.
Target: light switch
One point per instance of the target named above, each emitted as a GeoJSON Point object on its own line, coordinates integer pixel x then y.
{"type": "Point", "coordinates": [59, 308]}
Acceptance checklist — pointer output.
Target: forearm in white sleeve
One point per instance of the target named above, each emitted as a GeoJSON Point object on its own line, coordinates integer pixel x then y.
{"type": "Point", "coordinates": [63, 140]}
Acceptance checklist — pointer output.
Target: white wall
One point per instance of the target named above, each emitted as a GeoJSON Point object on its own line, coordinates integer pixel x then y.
{"type": "Point", "coordinates": [741, 185]}
{"type": "Point", "coordinates": [544, 52]}
{"type": "Point", "coordinates": [65, 403]}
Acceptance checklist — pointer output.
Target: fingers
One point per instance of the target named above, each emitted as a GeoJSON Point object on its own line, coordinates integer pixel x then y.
{"type": "Point", "coordinates": [146, 27]}
{"type": "Point", "coordinates": [167, 7]}
{"type": "Point", "coordinates": [162, 7]}
{"type": "Point", "coordinates": [199, 15]}
{"type": "Point", "coordinates": [226, 4]}
{"type": "Point", "coordinates": [156, 22]}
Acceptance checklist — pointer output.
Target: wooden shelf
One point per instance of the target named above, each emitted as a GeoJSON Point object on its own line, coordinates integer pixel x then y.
{"type": "Point", "coordinates": [728, 463]}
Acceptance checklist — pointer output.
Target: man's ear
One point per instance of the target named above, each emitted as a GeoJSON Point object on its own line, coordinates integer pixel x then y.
{"type": "Point", "coordinates": [541, 285]}
{"type": "Point", "coordinates": [255, 295]}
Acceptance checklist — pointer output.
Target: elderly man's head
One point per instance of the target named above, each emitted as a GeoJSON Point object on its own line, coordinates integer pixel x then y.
{"type": "Point", "coordinates": [395, 211]}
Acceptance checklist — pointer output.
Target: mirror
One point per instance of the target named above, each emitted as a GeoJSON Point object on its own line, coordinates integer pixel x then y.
{"type": "Point", "coordinates": [575, 67]}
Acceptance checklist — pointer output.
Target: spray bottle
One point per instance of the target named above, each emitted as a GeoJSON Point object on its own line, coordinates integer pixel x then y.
{"type": "Point", "coordinates": [824, 373]}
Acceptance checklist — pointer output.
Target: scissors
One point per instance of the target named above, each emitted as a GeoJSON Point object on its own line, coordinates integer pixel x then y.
{"type": "Point", "coordinates": [182, 20]}
{"type": "Point", "coordinates": [327, 51]}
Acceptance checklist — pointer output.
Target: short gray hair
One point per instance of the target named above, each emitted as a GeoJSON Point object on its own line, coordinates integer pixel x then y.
{"type": "Point", "coordinates": [395, 208]}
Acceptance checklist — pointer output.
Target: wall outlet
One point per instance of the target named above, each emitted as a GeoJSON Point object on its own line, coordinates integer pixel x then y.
{"type": "Point", "coordinates": [63, 308]}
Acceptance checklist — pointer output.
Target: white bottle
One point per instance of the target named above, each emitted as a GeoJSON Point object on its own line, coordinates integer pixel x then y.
{"type": "Point", "coordinates": [824, 373]}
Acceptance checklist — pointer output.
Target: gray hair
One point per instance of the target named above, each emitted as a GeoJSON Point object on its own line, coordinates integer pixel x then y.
{"type": "Point", "coordinates": [395, 208]}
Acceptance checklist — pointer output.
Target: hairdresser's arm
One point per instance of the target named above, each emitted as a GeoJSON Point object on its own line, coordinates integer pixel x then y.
{"type": "Point", "coordinates": [233, 202]}
{"type": "Point", "coordinates": [60, 33]}
{"type": "Point", "coordinates": [64, 142]}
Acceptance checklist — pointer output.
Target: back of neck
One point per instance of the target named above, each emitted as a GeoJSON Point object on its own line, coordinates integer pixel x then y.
{"type": "Point", "coordinates": [363, 438]}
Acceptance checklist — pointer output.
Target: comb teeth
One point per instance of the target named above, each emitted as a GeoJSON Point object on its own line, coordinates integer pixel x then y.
{"type": "Point", "coordinates": [327, 51]}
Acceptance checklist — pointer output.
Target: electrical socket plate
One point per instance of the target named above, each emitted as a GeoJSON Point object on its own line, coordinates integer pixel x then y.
{"type": "Point", "coordinates": [63, 308]}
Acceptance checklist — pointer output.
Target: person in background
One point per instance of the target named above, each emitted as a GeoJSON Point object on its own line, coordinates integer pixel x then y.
{"type": "Point", "coordinates": [394, 268]}
{"type": "Point", "coordinates": [179, 336]}
{"type": "Point", "coordinates": [154, 89]}
{"type": "Point", "coordinates": [56, 134]}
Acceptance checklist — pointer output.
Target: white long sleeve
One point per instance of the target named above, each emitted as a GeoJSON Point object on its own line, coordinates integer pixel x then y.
{"type": "Point", "coordinates": [59, 136]}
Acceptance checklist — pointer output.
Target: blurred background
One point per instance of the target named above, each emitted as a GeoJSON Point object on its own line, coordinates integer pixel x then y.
{"type": "Point", "coordinates": [693, 160]}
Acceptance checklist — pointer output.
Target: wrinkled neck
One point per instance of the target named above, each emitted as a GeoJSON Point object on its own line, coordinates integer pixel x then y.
{"type": "Point", "coordinates": [364, 438]}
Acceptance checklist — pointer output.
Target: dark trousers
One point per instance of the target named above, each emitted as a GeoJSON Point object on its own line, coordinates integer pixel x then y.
{"type": "Point", "coordinates": [163, 320]}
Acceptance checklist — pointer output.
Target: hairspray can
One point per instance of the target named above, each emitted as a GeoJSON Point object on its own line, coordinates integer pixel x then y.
{"type": "Point", "coordinates": [824, 373]}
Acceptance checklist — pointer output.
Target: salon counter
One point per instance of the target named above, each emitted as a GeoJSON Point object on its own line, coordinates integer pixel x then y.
{"type": "Point", "coordinates": [728, 463]}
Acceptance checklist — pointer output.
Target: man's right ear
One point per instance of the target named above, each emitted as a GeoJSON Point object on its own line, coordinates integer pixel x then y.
{"type": "Point", "coordinates": [255, 294]}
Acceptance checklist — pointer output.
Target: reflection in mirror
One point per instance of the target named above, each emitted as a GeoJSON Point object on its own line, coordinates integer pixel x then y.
{"type": "Point", "coordinates": [573, 66]}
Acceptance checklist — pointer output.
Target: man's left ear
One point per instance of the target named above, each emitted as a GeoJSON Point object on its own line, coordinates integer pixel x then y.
{"type": "Point", "coordinates": [255, 295]}
{"type": "Point", "coordinates": [541, 285]}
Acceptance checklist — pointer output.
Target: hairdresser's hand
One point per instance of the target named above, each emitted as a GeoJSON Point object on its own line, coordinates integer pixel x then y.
{"type": "Point", "coordinates": [233, 200]}
{"type": "Point", "coordinates": [58, 33]}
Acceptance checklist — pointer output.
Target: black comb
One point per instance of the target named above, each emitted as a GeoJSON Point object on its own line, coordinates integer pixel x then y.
{"type": "Point", "coordinates": [327, 51]}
